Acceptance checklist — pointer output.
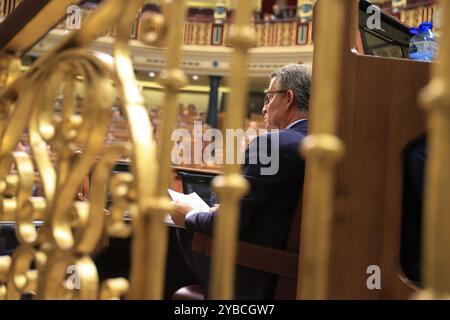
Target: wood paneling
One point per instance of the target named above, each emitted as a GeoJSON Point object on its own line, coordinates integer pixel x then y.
{"type": "Point", "coordinates": [378, 116]}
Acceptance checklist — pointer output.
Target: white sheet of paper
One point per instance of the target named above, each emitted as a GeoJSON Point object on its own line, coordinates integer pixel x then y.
{"type": "Point", "coordinates": [176, 196]}
{"type": "Point", "coordinates": [192, 199]}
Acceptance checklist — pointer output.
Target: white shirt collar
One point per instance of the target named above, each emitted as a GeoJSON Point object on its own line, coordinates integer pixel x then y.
{"type": "Point", "coordinates": [294, 123]}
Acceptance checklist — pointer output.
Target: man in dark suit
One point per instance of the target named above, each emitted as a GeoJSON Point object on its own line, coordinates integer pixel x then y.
{"type": "Point", "coordinates": [268, 209]}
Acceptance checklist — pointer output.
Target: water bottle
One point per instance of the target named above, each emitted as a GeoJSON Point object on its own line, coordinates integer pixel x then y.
{"type": "Point", "coordinates": [423, 45]}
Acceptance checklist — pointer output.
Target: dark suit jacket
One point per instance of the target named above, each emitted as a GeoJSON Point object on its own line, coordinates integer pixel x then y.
{"type": "Point", "coordinates": [266, 211]}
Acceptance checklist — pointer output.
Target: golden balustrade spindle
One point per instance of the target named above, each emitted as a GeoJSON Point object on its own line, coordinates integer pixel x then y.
{"type": "Point", "coordinates": [152, 228]}
{"type": "Point", "coordinates": [435, 98]}
{"type": "Point", "coordinates": [148, 254]}
{"type": "Point", "coordinates": [322, 150]}
{"type": "Point", "coordinates": [172, 78]}
{"type": "Point", "coordinates": [9, 72]}
{"type": "Point", "coordinates": [232, 186]}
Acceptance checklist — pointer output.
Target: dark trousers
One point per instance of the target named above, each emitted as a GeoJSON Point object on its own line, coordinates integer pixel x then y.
{"type": "Point", "coordinates": [114, 261]}
{"type": "Point", "coordinates": [184, 267]}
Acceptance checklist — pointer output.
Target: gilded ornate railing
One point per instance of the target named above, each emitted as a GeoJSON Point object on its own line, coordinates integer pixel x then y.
{"type": "Point", "coordinates": [73, 231]}
{"type": "Point", "coordinates": [291, 32]}
{"type": "Point", "coordinates": [268, 34]}
{"type": "Point", "coordinates": [8, 6]}
{"type": "Point", "coordinates": [55, 260]}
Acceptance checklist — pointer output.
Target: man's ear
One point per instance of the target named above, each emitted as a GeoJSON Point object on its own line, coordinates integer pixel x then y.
{"type": "Point", "coordinates": [290, 99]}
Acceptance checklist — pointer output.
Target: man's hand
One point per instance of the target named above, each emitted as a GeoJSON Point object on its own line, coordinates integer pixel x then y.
{"type": "Point", "coordinates": [179, 212]}
{"type": "Point", "coordinates": [215, 208]}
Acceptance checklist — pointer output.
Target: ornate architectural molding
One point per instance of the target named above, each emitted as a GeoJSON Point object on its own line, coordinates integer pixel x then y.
{"type": "Point", "coordinates": [202, 60]}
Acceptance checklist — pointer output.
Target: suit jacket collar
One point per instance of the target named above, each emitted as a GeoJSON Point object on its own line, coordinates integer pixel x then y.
{"type": "Point", "coordinates": [301, 124]}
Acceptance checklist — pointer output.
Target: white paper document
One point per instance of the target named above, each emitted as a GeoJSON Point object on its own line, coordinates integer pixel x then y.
{"type": "Point", "coordinates": [192, 199]}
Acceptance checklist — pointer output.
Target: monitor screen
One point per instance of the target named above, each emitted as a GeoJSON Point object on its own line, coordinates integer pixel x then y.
{"type": "Point", "coordinates": [392, 37]}
{"type": "Point", "coordinates": [199, 183]}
